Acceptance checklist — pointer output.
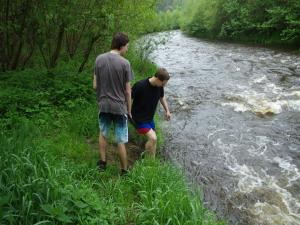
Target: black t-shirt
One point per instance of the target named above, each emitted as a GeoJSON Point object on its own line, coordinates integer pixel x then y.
{"type": "Point", "coordinates": [145, 99]}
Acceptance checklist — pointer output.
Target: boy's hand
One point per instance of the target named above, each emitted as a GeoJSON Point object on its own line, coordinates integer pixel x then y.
{"type": "Point", "coordinates": [168, 115]}
{"type": "Point", "coordinates": [132, 121]}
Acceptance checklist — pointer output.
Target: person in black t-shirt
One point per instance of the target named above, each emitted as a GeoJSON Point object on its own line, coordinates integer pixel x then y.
{"type": "Point", "coordinates": [146, 94]}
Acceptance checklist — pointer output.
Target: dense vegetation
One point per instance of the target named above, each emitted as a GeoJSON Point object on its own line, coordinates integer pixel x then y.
{"type": "Point", "coordinates": [168, 16]}
{"type": "Point", "coordinates": [49, 151]}
{"type": "Point", "coordinates": [45, 33]}
{"type": "Point", "coordinates": [48, 121]}
{"type": "Point", "coordinates": [270, 22]}
{"type": "Point", "coordinates": [275, 22]}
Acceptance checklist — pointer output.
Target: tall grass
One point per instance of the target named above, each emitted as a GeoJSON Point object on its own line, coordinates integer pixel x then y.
{"type": "Point", "coordinates": [39, 186]}
{"type": "Point", "coordinates": [48, 169]}
{"type": "Point", "coordinates": [164, 198]}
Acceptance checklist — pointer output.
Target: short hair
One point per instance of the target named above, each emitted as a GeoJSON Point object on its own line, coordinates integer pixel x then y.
{"type": "Point", "coordinates": [119, 40]}
{"type": "Point", "coordinates": [162, 74]}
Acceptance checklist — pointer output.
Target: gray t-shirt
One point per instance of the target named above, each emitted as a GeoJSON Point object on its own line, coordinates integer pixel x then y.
{"type": "Point", "coordinates": [112, 72]}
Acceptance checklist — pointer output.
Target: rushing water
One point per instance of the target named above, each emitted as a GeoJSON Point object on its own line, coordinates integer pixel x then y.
{"type": "Point", "coordinates": [236, 126]}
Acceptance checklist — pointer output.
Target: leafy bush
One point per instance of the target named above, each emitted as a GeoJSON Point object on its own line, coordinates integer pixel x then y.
{"type": "Point", "coordinates": [34, 94]}
{"type": "Point", "coordinates": [266, 22]}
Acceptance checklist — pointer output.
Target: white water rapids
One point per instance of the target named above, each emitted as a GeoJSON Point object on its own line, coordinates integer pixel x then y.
{"type": "Point", "coordinates": [235, 128]}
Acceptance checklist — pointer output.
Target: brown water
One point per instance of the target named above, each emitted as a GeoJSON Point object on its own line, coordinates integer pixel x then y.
{"type": "Point", "coordinates": [235, 128]}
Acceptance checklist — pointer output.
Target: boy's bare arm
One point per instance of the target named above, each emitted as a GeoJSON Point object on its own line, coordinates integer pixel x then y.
{"type": "Point", "coordinates": [164, 103]}
{"type": "Point", "coordinates": [95, 82]}
{"type": "Point", "coordinates": [128, 97]}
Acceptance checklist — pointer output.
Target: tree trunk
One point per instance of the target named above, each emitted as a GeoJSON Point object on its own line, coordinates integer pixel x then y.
{"type": "Point", "coordinates": [28, 57]}
{"type": "Point", "coordinates": [43, 56]}
{"type": "Point", "coordinates": [73, 40]}
{"type": "Point", "coordinates": [57, 50]}
{"type": "Point", "coordinates": [6, 60]}
{"type": "Point", "coordinates": [15, 61]}
{"type": "Point", "coordinates": [87, 52]}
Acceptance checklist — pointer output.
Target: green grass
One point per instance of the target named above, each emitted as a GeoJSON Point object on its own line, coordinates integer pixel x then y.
{"type": "Point", "coordinates": [48, 168]}
{"type": "Point", "coordinates": [38, 184]}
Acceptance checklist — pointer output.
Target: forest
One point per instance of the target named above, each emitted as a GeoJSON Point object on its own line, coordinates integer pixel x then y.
{"type": "Point", "coordinates": [45, 33]}
{"type": "Point", "coordinates": [269, 22]}
{"type": "Point", "coordinates": [48, 110]}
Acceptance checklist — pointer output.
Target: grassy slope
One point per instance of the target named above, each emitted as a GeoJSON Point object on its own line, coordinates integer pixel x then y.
{"type": "Point", "coordinates": [48, 155]}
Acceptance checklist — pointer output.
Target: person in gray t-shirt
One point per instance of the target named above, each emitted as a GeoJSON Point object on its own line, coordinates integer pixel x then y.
{"type": "Point", "coordinates": [112, 76]}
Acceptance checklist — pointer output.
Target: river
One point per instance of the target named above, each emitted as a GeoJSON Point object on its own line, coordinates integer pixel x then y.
{"type": "Point", "coordinates": [235, 127]}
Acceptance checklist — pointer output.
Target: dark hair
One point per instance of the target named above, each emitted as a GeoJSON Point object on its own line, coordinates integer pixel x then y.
{"type": "Point", "coordinates": [119, 40]}
{"type": "Point", "coordinates": [162, 74]}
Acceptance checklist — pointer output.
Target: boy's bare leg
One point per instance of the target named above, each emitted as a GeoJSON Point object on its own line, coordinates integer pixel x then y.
{"type": "Point", "coordinates": [123, 156]}
{"type": "Point", "coordinates": [102, 147]}
{"type": "Point", "coordinates": [150, 145]}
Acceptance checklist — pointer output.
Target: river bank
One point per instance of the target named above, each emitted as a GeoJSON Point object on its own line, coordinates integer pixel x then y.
{"type": "Point", "coordinates": [290, 49]}
{"type": "Point", "coordinates": [49, 152]}
{"type": "Point", "coordinates": [263, 22]}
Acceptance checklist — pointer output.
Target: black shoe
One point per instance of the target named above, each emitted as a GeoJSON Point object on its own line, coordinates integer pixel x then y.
{"type": "Point", "coordinates": [101, 165]}
{"type": "Point", "coordinates": [123, 172]}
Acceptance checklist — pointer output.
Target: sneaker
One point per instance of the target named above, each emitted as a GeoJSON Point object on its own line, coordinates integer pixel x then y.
{"type": "Point", "coordinates": [123, 172]}
{"type": "Point", "coordinates": [101, 165]}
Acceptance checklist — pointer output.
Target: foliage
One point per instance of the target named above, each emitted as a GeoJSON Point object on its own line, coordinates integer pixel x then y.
{"type": "Point", "coordinates": [266, 22]}
{"type": "Point", "coordinates": [203, 17]}
{"type": "Point", "coordinates": [38, 186]}
{"type": "Point", "coordinates": [168, 20]}
{"type": "Point", "coordinates": [50, 97]}
{"type": "Point", "coordinates": [168, 5]}
{"type": "Point", "coordinates": [44, 33]}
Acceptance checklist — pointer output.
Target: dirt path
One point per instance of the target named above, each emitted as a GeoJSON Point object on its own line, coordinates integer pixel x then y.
{"type": "Point", "coordinates": [134, 152]}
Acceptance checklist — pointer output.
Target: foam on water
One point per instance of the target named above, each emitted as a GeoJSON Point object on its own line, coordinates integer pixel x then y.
{"type": "Point", "coordinates": [238, 107]}
{"type": "Point", "coordinates": [290, 170]}
{"type": "Point", "coordinates": [290, 104]}
{"type": "Point", "coordinates": [260, 79]}
{"type": "Point", "coordinates": [256, 103]}
{"type": "Point", "coordinates": [249, 178]}
{"type": "Point", "coordinates": [284, 209]}
{"type": "Point", "coordinates": [272, 100]}
{"type": "Point", "coordinates": [271, 214]}
{"type": "Point", "coordinates": [292, 93]}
